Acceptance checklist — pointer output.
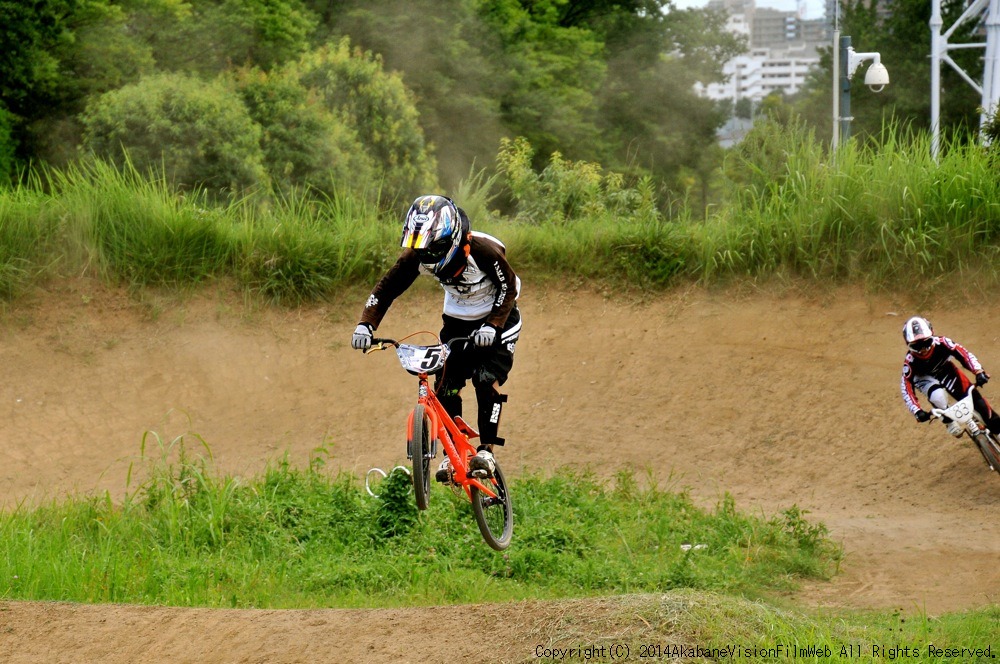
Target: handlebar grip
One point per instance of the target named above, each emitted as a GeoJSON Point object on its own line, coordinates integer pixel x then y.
{"type": "Point", "coordinates": [461, 340]}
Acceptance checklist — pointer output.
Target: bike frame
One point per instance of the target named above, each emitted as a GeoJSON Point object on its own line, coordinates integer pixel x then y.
{"type": "Point", "coordinates": [444, 429]}
{"type": "Point", "coordinates": [962, 411]}
{"type": "Point", "coordinates": [454, 441]}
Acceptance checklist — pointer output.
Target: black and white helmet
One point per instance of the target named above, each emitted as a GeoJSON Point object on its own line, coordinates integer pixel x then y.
{"type": "Point", "coordinates": [434, 229]}
{"type": "Point", "coordinates": [919, 336]}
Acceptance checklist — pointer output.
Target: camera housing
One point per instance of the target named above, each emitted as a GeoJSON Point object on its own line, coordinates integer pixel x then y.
{"type": "Point", "coordinates": [877, 77]}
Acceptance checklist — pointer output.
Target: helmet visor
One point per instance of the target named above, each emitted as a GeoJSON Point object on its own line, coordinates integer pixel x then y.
{"type": "Point", "coordinates": [435, 252]}
{"type": "Point", "coordinates": [921, 345]}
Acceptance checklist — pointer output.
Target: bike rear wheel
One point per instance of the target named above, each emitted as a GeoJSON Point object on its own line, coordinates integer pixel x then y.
{"type": "Point", "coordinates": [494, 516]}
{"type": "Point", "coordinates": [420, 447]}
{"type": "Point", "coordinates": [990, 449]}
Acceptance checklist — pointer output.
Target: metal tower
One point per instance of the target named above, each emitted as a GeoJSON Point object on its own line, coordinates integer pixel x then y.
{"type": "Point", "coordinates": [987, 12]}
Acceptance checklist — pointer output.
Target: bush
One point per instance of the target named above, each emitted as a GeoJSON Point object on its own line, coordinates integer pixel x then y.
{"type": "Point", "coordinates": [991, 131]}
{"type": "Point", "coordinates": [199, 133]}
{"type": "Point", "coordinates": [380, 108]}
{"type": "Point", "coordinates": [570, 190]}
{"type": "Point", "coordinates": [7, 143]}
{"type": "Point", "coordinates": [305, 145]}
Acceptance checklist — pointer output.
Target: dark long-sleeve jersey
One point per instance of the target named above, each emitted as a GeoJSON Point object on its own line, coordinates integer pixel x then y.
{"type": "Point", "coordinates": [939, 364]}
{"type": "Point", "coordinates": [482, 285]}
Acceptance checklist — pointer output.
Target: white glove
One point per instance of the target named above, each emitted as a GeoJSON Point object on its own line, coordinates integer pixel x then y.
{"type": "Point", "coordinates": [362, 339]}
{"type": "Point", "coordinates": [484, 336]}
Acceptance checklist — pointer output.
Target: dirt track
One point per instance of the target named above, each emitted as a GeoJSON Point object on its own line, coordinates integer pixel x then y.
{"type": "Point", "coordinates": [778, 399]}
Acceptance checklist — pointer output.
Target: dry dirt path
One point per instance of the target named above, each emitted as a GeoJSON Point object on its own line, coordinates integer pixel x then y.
{"type": "Point", "coordinates": [779, 399]}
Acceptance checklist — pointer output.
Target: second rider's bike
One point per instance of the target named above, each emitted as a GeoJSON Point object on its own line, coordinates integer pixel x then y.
{"type": "Point", "coordinates": [429, 425]}
{"type": "Point", "coordinates": [964, 414]}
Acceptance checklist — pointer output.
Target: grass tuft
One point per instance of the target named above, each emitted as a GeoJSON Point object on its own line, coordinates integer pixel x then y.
{"type": "Point", "coordinates": [296, 537]}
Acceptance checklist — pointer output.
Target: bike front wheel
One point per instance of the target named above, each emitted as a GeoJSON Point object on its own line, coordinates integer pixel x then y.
{"type": "Point", "coordinates": [419, 448]}
{"type": "Point", "coordinates": [990, 449]}
{"type": "Point", "coordinates": [494, 516]}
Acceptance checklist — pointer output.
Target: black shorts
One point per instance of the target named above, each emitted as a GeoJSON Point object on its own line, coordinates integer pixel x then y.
{"type": "Point", "coordinates": [482, 365]}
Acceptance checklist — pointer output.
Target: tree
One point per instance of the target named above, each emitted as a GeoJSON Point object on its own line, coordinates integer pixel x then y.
{"type": "Point", "coordinates": [31, 35]}
{"type": "Point", "coordinates": [648, 102]}
{"type": "Point", "coordinates": [305, 144]}
{"type": "Point", "coordinates": [198, 133]}
{"type": "Point", "coordinates": [443, 53]}
{"type": "Point", "coordinates": [211, 36]}
{"type": "Point", "coordinates": [53, 55]}
{"type": "Point", "coordinates": [8, 147]}
{"type": "Point", "coordinates": [744, 108]}
{"type": "Point", "coordinates": [376, 104]}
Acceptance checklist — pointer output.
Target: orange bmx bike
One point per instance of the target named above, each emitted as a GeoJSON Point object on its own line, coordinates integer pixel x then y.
{"type": "Point", "coordinates": [429, 425]}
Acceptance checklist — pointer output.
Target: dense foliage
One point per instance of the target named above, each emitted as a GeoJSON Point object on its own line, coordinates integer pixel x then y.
{"type": "Point", "coordinates": [404, 96]}
{"type": "Point", "coordinates": [891, 216]}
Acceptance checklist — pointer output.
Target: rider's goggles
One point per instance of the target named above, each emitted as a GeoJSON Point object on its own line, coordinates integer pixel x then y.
{"type": "Point", "coordinates": [921, 345]}
{"type": "Point", "coordinates": [435, 252]}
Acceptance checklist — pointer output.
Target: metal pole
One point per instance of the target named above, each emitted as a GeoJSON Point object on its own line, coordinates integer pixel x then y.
{"type": "Point", "coordinates": [835, 142]}
{"type": "Point", "coordinates": [845, 92]}
{"type": "Point", "coordinates": [936, 52]}
{"type": "Point", "coordinates": [991, 65]}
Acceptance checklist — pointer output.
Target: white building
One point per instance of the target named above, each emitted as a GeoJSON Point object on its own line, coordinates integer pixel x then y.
{"type": "Point", "coordinates": [782, 50]}
{"type": "Point", "coordinates": [762, 71]}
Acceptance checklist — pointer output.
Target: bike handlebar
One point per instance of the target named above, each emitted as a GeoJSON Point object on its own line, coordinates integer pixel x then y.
{"type": "Point", "coordinates": [395, 344]}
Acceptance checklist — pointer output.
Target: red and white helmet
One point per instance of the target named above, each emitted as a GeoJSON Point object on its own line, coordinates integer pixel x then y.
{"type": "Point", "coordinates": [919, 336]}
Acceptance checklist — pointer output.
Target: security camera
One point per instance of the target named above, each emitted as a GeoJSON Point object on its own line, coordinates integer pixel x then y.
{"type": "Point", "coordinates": [877, 77]}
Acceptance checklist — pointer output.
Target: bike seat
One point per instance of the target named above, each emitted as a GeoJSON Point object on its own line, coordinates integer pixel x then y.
{"type": "Point", "coordinates": [465, 428]}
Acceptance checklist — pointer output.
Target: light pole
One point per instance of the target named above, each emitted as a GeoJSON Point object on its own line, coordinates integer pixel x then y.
{"type": "Point", "coordinates": [846, 62]}
{"type": "Point", "coordinates": [845, 90]}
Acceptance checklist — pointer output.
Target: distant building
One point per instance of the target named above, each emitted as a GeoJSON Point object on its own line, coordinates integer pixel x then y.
{"type": "Point", "coordinates": [761, 72]}
{"type": "Point", "coordinates": [783, 48]}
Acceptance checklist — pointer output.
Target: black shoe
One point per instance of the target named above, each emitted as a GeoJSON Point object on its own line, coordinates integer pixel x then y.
{"type": "Point", "coordinates": [444, 474]}
{"type": "Point", "coordinates": [482, 464]}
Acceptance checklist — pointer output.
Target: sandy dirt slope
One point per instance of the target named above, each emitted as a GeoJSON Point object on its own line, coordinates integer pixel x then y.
{"type": "Point", "coordinates": [779, 399]}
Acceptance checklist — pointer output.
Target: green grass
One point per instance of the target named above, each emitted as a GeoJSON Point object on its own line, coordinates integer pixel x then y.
{"type": "Point", "coordinates": [708, 626]}
{"type": "Point", "coordinates": [890, 217]}
{"type": "Point", "coordinates": [299, 538]}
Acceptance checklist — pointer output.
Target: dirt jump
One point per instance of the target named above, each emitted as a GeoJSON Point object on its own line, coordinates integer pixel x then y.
{"type": "Point", "coordinates": [779, 398]}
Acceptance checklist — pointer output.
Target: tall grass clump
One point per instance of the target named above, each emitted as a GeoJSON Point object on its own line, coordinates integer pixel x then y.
{"type": "Point", "coordinates": [297, 537]}
{"type": "Point", "coordinates": [133, 228]}
{"type": "Point", "coordinates": [303, 248]}
{"type": "Point", "coordinates": [888, 213]}
{"type": "Point", "coordinates": [30, 230]}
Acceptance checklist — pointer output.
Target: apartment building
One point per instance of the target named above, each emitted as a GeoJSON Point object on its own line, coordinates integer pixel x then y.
{"type": "Point", "coordinates": [783, 47]}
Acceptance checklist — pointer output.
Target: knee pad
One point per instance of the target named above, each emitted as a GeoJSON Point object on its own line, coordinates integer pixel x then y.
{"type": "Point", "coordinates": [483, 378]}
{"type": "Point", "coordinates": [451, 400]}
{"type": "Point", "coordinates": [938, 396]}
{"type": "Point", "coordinates": [490, 405]}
